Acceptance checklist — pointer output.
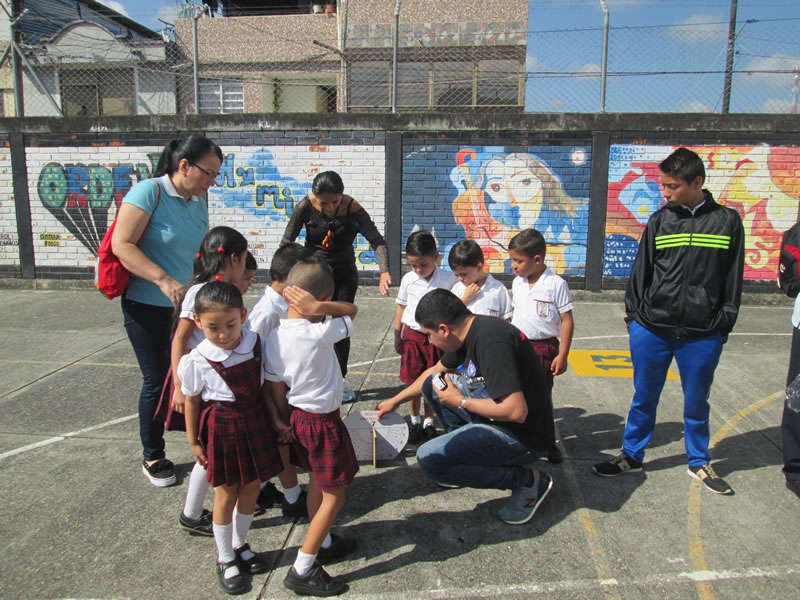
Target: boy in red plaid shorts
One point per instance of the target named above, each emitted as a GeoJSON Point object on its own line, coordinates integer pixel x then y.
{"type": "Point", "coordinates": [304, 373]}
{"type": "Point", "coordinates": [409, 341]}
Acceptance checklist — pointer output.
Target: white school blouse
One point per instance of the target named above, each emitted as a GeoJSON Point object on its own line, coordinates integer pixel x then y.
{"type": "Point", "coordinates": [267, 313]}
{"type": "Point", "coordinates": [537, 309]}
{"type": "Point", "coordinates": [493, 299]}
{"type": "Point", "coordinates": [413, 288]}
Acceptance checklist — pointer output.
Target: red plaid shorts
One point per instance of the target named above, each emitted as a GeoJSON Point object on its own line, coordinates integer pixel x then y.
{"type": "Point", "coordinates": [323, 447]}
{"type": "Point", "coordinates": [418, 354]}
{"type": "Point", "coordinates": [546, 350]}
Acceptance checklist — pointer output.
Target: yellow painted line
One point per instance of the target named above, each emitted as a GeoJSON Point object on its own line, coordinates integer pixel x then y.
{"type": "Point", "coordinates": [697, 553]}
{"type": "Point", "coordinates": [604, 363]}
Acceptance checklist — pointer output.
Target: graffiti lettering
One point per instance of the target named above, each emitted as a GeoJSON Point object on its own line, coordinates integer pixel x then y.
{"type": "Point", "coordinates": [6, 239]}
{"type": "Point", "coordinates": [50, 239]}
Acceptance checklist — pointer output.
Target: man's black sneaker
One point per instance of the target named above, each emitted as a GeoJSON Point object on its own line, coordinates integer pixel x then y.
{"type": "Point", "coordinates": [617, 465]}
{"type": "Point", "coordinates": [161, 473]}
{"type": "Point", "coordinates": [554, 455]}
{"type": "Point", "coordinates": [255, 564]}
{"type": "Point", "coordinates": [315, 583]}
{"type": "Point", "coordinates": [268, 497]}
{"type": "Point", "coordinates": [297, 509]}
{"type": "Point", "coordinates": [706, 475]}
{"type": "Point", "coordinates": [340, 546]}
{"type": "Point", "coordinates": [238, 584]}
{"type": "Point", "coordinates": [429, 432]}
{"type": "Point", "coordinates": [414, 433]}
{"type": "Point", "coordinates": [203, 525]}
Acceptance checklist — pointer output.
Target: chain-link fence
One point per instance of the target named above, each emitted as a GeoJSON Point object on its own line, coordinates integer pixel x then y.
{"type": "Point", "coordinates": [307, 63]}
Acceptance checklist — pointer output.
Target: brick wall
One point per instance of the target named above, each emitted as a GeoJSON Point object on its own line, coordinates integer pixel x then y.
{"type": "Point", "coordinates": [9, 238]}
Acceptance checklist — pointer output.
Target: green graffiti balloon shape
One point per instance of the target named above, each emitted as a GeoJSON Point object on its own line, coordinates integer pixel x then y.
{"type": "Point", "coordinates": [101, 187]}
{"type": "Point", "coordinates": [52, 186]}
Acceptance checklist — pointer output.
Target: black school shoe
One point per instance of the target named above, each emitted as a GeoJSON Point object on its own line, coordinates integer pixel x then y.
{"type": "Point", "coordinates": [298, 509]}
{"type": "Point", "coordinates": [414, 433]}
{"type": "Point", "coordinates": [315, 583]}
{"type": "Point", "coordinates": [268, 497]}
{"type": "Point", "coordinates": [161, 473]}
{"type": "Point", "coordinates": [238, 584]}
{"type": "Point", "coordinates": [254, 565]}
{"type": "Point", "coordinates": [340, 546]}
{"type": "Point", "coordinates": [203, 525]}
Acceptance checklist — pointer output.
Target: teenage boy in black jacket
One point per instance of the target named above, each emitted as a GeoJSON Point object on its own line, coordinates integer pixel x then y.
{"type": "Point", "coordinates": [682, 300]}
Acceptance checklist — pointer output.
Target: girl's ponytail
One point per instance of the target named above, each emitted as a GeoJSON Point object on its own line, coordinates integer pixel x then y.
{"type": "Point", "coordinates": [219, 243]}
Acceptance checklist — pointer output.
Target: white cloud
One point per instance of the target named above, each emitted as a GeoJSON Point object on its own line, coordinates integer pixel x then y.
{"type": "Point", "coordinates": [694, 107]}
{"type": "Point", "coordinates": [699, 29]}
{"type": "Point", "coordinates": [773, 81]}
{"type": "Point", "coordinates": [588, 68]}
{"type": "Point", "coordinates": [776, 105]}
{"type": "Point", "coordinates": [117, 6]}
{"type": "Point", "coordinates": [532, 64]}
{"type": "Point", "coordinates": [167, 13]}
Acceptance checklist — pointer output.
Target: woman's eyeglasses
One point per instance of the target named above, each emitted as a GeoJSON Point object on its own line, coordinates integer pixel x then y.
{"type": "Point", "coordinates": [206, 172]}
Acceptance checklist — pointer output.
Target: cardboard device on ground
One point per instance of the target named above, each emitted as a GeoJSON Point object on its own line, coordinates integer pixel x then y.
{"type": "Point", "coordinates": [375, 440]}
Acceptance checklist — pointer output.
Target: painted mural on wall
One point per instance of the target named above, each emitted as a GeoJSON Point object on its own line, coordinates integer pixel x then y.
{"type": "Point", "coordinates": [761, 182]}
{"type": "Point", "coordinates": [489, 194]}
{"type": "Point", "coordinates": [78, 191]}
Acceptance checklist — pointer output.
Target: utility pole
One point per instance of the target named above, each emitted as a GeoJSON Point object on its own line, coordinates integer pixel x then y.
{"type": "Point", "coordinates": [795, 89]}
{"type": "Point", "coordinates": [726, 90]}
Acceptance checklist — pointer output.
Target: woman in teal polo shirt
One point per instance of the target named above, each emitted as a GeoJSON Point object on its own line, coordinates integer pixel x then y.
{"type": "Point", "coordinates": [171, 213]}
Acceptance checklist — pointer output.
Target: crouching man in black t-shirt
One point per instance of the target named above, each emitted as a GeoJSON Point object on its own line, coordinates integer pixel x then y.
{"type": "Point", "coordinates": [490, 442]}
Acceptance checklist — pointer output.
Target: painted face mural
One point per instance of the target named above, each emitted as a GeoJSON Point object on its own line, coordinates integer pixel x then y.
{"type": "Point", "coordinates": [761, 182]}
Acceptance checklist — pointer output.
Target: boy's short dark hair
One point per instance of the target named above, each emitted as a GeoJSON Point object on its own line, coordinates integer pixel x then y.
{"type": "Point", "coordinates": [530, 242]}
{"type": "Point", "coordinates": [285, 258]}
{"type": "Point", "coordinates": [440, 306]}
{"type": "Point", "coordinates": [421, 243]}
{"type": "Point", "coordinates": [315, 278]}
{"type": "Point", "coordinates": [684, 163]}
{"type": "Point", "coordinates": [217, 294]}
{"type": "Point", "coordinates": [466, 253]}
{"type": "Point", "coordinates": [250, 263]}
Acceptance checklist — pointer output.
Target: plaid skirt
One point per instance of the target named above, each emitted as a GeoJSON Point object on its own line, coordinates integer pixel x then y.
{"type": "Point", "coordinates": [240, 443]}
{"type": "Point", "coordinates": [323, 447]}
{"type": "Point", "coordinates": [418, 355]}
{"type": "Point", "coordinates": [546, 350]}
{"type": "Point", "coordinates": [173, 421]}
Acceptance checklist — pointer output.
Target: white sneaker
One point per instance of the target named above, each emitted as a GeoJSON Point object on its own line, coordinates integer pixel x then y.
{"type": "Point", "coordinates": [348, 395]}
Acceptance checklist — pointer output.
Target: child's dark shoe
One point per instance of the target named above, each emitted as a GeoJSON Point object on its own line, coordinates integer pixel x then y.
{"type": "Point", "coordinates": [234, 584]}
{"type": "Point", "coordinates": [414, 433]}
{"type": "Point", "coordinates": [315, 583]}
{"type": "Point", "coordinates": [296, 510]}
{"type": "Point", "coordinates": [200, 526]}
{"type": "Point", "coordinates": [268, 497]}
{"type": "Point", "coordinates": [254, 563]}
{"type": "Point", "coordinates": [340, 546]}
{"type": "Point", "coordinates": [429, 432]}
{"type": "Point", "coordinates": [554, 455]}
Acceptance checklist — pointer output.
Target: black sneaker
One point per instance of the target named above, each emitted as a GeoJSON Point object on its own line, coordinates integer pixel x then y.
{"type": "Point", "coordinates": [255, 564]}
{"type": "Point", "coordinates": [340, 546]}
{"type": "Point", "coordinates": [268, 497]}
{"type": "Point", "coordinates": [414, 433]}
{"type": "Point", "coordinates": [238, 584]}
{"type": "Point", "coordinates": [204, 525]}
{"type": "Point", "coordinates": [708, 477]}
{"type": "Point", "coordinates": [554, 455]}
{"type": "Point", "coordinates": [429, 433]}
{"type": "Point", "coordinates": [297, 509]}
{"type": "Point", "coordinates": [161, 473]}
{"type": "Point", "coordinates": [315, 583]}
{"type": "Point", "coordinates": [617, 465]}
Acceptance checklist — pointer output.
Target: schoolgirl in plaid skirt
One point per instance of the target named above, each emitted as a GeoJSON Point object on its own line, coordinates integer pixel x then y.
{"type": "Point", "coordinates": [231, 425]}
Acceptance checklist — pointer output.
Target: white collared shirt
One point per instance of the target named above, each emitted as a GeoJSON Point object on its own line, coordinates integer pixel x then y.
{"type": "Point", "coordinates": [267, 313]}
{"type": "Point", "coordinates": [199, 378]}
{"type": "Point", "coordinates": [493, 299]}
{"type": "Point", "coordinates": [300, 354]}
{"type": "Point", "coordinates": [413, 288]}
{"type": "Point", "coordinates": [537, 309]}
{"type": "Point", "coordinates": [169, 187]}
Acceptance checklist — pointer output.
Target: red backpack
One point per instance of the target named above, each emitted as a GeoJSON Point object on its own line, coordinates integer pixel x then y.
{"type": "Point", "coordinates": [110, 277]}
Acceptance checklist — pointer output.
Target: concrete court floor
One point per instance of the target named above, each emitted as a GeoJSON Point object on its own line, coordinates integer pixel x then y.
{"type": "Point", "coordinates": [79, 520]}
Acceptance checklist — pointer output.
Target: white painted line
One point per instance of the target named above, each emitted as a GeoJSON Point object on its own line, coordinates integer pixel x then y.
{"type": "Point", "coordinates": [369, 362]}
{"type": "Point", "coordinates": [64, 436]}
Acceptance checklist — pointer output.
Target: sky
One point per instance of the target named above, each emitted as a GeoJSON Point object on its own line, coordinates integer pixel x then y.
{"type": "Point", "coordinates": [648, 36]}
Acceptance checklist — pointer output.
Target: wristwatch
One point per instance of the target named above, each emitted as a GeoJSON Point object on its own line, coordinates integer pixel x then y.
{"type": "Point", "coordinates": [463, 404]}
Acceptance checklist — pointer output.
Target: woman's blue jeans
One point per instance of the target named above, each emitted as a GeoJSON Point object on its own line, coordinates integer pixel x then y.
{"type": "Point", "coordinates": [474, 452]}
{"type": "Point", "coordinates": [149, 329]}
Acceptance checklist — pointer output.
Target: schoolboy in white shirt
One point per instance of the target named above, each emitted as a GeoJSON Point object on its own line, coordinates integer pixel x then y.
{"type": "Point", "coordinates": [542, 307]}
{"type": "Point", "coordinates": [478, 290]}
{"type": "Point", "coordinates": [304, 372]}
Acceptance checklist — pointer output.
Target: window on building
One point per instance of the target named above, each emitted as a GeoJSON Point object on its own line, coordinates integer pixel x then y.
{"type": "Point", "coordinates": [221, 96]}
{"type": "Point", "coordinates": [97, 92]}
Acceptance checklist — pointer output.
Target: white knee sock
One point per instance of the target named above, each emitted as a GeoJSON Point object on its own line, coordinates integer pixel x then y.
{"type": "Point", "coordinates": [428, 423]}
{"type": "Point", "coordinates": [223, 536]}
{"type": "Point", "coordinates": [241, 525]}
{"type": "Point", "coordinates": [196, 494]}
{"type": "Point", "coordinates": [303, 563]}
{"type": "Point", "coordinates": [326, 543]}
{"type": "Point", "coordinates": [292, 494]}
{"type": "Point", "coordinates": [416, 419]}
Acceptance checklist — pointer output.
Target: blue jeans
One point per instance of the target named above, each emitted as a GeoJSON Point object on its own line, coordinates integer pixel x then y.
{"type": "Point", "coordinates": [697, 360]}
{"type": "Point", "coordinates": [149, 329]}
{"type": "Point", "coordinates": [474, 452]}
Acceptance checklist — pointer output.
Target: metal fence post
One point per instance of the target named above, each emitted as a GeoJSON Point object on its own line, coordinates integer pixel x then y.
{"type": "Point", "coordinates": [395, 42]}
{"type": "Point", "coordinates": [604, 65]}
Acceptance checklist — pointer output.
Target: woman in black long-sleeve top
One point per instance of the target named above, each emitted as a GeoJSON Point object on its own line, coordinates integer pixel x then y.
{"type": "Point", "coordinates": [332, 220]}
